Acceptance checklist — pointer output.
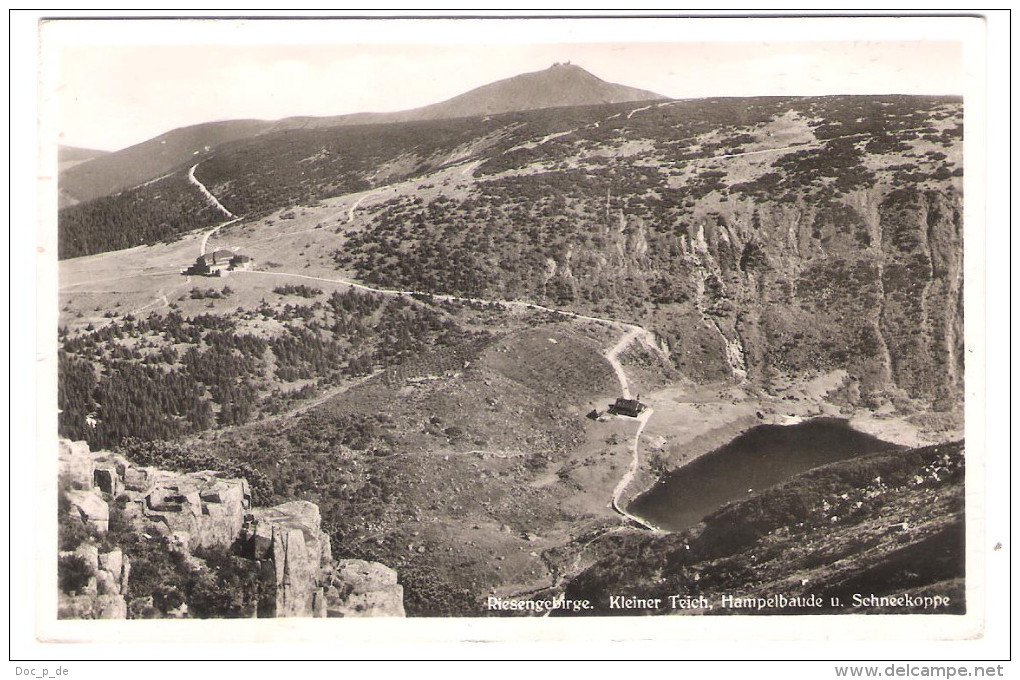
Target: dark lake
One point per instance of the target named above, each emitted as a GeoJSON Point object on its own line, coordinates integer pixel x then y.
{"type": "Point", "coordinates": [755, 460]}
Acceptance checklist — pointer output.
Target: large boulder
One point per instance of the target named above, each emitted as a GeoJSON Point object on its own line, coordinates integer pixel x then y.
{"type": "Point", "coordinates": [304, 516]}
{"type": "Point", "coordinates": [106, 583]}
{"type": "Point", "coordinates": [363, 589]}
{"type": "Point", "coordinates": [200, 508]}
{"type": "Point", "coordinates": [136, 479]}
{"type": "Point", "coordinates": [365, 577]}
{"type": "Point", "coordinates": [106, 479]}
{"type": "Point", "coordinates": [90, 553]}
{"type": "Point", "coordinates": [289, 535]}
{"type": "Point", "coordinates": [110, 607]}
{"type": "Point", "coordinates": [90, 508]}
{"type": "Point", "coordinates": [112, 561]}
{"type": "Point", "coordinates": [76, 463]}
{"type": "Point", "coordinates": [112, 574]}
{"type": "Point", "coordinates": [386, 602]}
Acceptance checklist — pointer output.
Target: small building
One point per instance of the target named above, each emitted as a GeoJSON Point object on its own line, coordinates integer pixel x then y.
{"type": "Point", "coordinates": [217, 263]}
{"type": "Point", "coordinates": [219, 257]}
{"type": "Point", "coordinates": [627, 407]}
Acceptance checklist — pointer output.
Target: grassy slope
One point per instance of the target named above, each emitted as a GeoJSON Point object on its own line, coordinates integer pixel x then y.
{"type": "Point", "coordinates": [461, 480]}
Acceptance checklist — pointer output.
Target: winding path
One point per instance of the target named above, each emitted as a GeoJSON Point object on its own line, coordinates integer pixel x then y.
{"type": "Point", "coordinates": [215, 202]}
{"type": "Point", "coordinates": [643, 108]}
{"type": "Point", "coordinates": [354, 206]}
{"type": "Point", "coordinates": [319, 400]}
{"type": "Point", "coordinates": [208, 194]}
{"type": "Point", "coordinates": [628, 477]}
{"type": "Point", "coordinates": [613, 357]}
{"type": "Point", "coordinates": [287, 234]}
{"type": "Point", "coordinates": [209, 234]}
{"type": "Point", "coordinates": [633, 332]}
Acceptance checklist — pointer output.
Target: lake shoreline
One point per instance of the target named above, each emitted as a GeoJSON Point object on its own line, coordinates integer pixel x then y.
{"type": "Point", "coordinates": [760, 458]}
{"type": "Point", "coordinates": [695, 420]}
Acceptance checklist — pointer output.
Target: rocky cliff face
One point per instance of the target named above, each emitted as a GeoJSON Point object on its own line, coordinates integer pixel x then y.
{"type": "Point", "coordinates": [762, 239]}
{"type": "Point", "coordinates": [199, 510]}
{"type": "Point", "coordinates": [871, 282]}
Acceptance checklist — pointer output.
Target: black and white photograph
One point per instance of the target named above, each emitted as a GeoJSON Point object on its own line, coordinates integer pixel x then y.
{"type": "Point", "coordinates": [358, 319]}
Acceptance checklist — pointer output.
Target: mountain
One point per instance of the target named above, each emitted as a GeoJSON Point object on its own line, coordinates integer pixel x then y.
{"type": "Point", "coordinates": [67, 158]}
{"type": "Point", "coordinates": [70, 155]}
{"type": "Point", "coordinates": [113, 172]}
{"type": "Point", "coordinates": [558, 86]}
{"type": "Point", "coordinates": [790, 257]}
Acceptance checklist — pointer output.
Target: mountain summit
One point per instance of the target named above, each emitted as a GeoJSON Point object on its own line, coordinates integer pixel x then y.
{"type": "Point", "coordinates": [558, 85]}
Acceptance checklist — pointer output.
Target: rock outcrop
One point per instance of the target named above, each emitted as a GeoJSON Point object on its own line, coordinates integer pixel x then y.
{"type": "Point", "coordinates": [103, 595]}
{"type": "Point", "coordinates": [360, 588]}
{"type": "Point", "coordinates": [200, 509]}
{"type": "Point", "coordinates": [90, 508]}
{"type": "Point", "coordinates": [289, 536]}
{"type": "Point", "coordinates": [869, 283]}
{"type": "Point", "coordinates": [205, 510]}
{"type": "Point", "coordinates": [76, 463]}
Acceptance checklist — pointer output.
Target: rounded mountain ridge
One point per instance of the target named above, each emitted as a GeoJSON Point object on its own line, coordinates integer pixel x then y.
{"type": "Point", "coordinates": [562, 84]}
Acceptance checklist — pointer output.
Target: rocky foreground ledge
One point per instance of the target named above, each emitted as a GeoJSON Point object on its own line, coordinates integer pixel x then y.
{"type": "Point", "coordinates": [190, 514]}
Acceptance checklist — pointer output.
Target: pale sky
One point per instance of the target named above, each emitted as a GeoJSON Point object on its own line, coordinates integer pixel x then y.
{"type": "Point", "coordinates": [120, 83]}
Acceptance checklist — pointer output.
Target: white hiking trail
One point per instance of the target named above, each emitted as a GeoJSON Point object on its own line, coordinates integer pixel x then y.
{"type": "Point", "coordinates": [633, 332]}
{"type": "Point", "coordinates": [354, 206]}
{"type": "Point", "coordinates": [643, 108]}
{"type": "Point", "coordinates": [208, 194]}
{"type": "Point", "coordinates": [628, 477]}
{"type": "Point", "coordinates": [556, 135]}
{"type": "Point", "coordinates": [161, 298]}
{"type": "Point", "coordinates": [350, 218]}
{"type": "Point", "coordinates": [209, 234]}
{"type": "Point", "coordinates": [612, 356]}
{"type": "Point", "coordinates": [215, 203]}
{"type": "Point", "coordinates": [321, 399]}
